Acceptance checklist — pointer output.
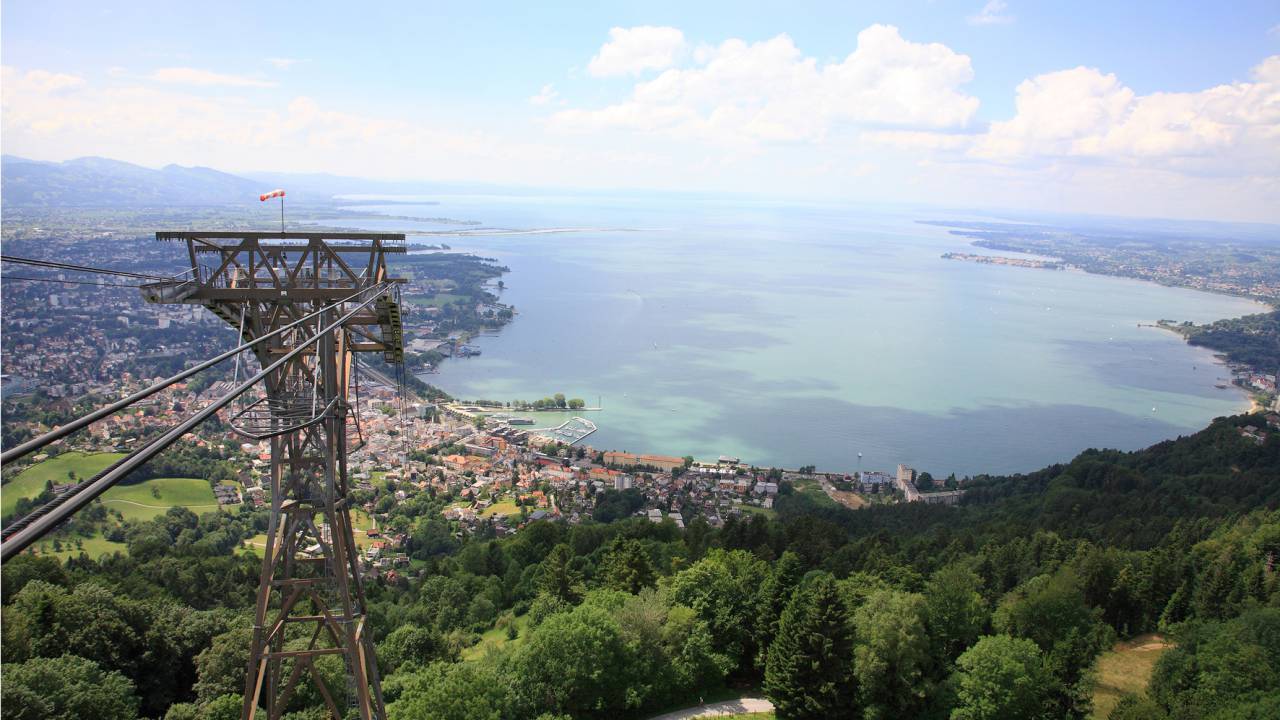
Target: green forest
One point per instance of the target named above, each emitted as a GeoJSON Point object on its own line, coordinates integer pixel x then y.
{"type": "Point", "coordinates": [1252, 340]}
{"type": "Point", "coordinates": [997, 608]}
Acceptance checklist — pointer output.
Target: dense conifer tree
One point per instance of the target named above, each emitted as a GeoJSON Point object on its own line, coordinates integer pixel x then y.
{"type": "Point", "coordinates": [808, 671]}
{"type": "Point", "coordinates": [626, 567]}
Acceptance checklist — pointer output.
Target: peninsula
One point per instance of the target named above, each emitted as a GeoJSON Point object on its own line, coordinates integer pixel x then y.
{"type": "Point", "coordinates": [1000, 260]}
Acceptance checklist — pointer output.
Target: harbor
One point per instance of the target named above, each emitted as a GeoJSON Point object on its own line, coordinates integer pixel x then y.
{"type": "Point", "coordinates": [569, 432]}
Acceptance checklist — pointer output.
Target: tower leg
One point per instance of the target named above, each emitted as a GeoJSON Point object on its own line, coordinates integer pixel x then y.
{"type": "Point", "coordinates": [310, 599]}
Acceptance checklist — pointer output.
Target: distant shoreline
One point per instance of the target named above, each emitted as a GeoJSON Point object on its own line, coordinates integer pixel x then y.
{"type": "Point", "coordinates": [982, 239]}
{"type": "Point", "coordinates": [1003, 260]}
{"type": "Point", "coordinates": [1240, 404]}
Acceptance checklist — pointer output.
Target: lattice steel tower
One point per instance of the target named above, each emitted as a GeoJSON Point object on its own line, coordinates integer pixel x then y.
{"type": "Point", "coordinates": [310, 602]}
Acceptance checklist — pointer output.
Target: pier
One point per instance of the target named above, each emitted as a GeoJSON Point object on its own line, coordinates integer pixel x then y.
{"type": "Point", "coordinates": [569, 432]}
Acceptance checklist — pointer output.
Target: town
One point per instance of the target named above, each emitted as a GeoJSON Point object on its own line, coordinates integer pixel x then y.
{"type": "Point", "coordinates": [69, 334]}
{"type": "Point", "coordinates": [488, 473]}
{"type": "Point", "coordinates": [1209, 264]}
{"type": "Point", "coordinates": [420, 459]}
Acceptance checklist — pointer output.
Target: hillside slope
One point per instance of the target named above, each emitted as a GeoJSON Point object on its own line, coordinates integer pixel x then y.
{"type": "Point", "coordinates": [94, 181]}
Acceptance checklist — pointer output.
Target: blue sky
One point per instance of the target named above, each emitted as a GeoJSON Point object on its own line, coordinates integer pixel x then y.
{"type": "Point", "coordinates": [1129, 108]}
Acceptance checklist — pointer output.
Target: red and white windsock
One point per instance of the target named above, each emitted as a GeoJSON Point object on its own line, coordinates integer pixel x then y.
{"type": "Point", "coordinates": [273, 194]}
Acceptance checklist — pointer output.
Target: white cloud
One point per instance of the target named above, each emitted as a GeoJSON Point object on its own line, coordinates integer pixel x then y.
{"type": "Point", "coordinates": [156, 124]}
{"type": "Point", "coordinates": [205, 78]}
{"type": "Point", "coordinates": [280, 63]}
{"type": "Point", "coordinates": [39, 82]}
{"type": "Point", "coordinates": [631, 51]}
{"type": "Point", "coordinates": [917, 140]}
{"type": "Point", "coordinates": [992, 14]}
{"type": "Point", "coordinates": [1054, 110]}
{"type": "Point", "coordinates": [545, 96]}
{"type": "Point", "coordinates": [1080, 139]}
{"type": "Point", "coordinates": [887, 123]}
{"type": "Point", "coordinates": [1083, 114]}
{"type": "Point", "coordinates": [769, 91]}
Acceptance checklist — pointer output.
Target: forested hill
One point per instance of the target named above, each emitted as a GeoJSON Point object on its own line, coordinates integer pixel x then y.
{"type": "Point", "coordinates": [995, 609]}
{"type": "Point", "coordinates": [101, 182]}
{"type": "Point", "coordinates": [1131, 500]}
{"type": "Point", "coordinates": [1252, 340]}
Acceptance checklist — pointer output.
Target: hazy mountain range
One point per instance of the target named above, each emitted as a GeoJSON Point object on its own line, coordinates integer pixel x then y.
{"type": "Point", "coordinates": [102, 182]}
{"type": "Point", "coordinates": [95, 181]}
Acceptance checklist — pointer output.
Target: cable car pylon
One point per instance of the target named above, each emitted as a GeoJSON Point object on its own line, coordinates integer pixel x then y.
{"type": "Point", "coordinates": [310, 599]}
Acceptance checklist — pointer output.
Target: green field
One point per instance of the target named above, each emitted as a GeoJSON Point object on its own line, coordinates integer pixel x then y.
{"type": "Point", "coordinates": [1124, 669]}
{"type": "Point", "coordinates": [136, 502]}
{"type": "Point", "coordinates": [360, 524]}
{"type": "Point", "coordinates": [496, 637]}
{"type": "Point", "coordinates": [502, 507]}
{"type": "Point", "coordinates": [360, 519]}
{"type": "Point", "coordinates": [437, 300]}
{"type": "Point", "coordinates": [257, 542]}
{"type": "Point", "coordinates": [30, 482]}
{"type": "Point", "coordinates": [813, 489]}
{"type": "Point", "coordinates": [95, 547]}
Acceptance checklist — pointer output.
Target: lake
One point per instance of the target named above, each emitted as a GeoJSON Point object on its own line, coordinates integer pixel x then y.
{"type": "Point", "coordinates": [788, 334]}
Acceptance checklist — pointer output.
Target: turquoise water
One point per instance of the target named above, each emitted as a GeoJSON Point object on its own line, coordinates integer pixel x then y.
{"type": "Point", "coordinates": [793, 335]}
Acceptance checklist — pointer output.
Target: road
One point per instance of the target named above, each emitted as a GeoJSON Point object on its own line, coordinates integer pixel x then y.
{"type": "Point", "coordinates": [376, 375]}
{"type": "Point", "coordinates": [727, 707]}
{"type": "Point", "coordinates": [193, 508]}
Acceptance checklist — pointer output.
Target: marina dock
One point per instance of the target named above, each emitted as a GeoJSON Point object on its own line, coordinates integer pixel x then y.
{"type": "Point", "coordinates": [569, 432]}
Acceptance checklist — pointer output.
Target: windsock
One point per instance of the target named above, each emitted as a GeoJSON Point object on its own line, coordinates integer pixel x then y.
{"type": "Point", "coordinates": [273, 194]}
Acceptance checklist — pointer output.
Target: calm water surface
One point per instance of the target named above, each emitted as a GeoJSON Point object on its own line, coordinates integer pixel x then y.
{"type": "Point", "coordinates": [794, 335]}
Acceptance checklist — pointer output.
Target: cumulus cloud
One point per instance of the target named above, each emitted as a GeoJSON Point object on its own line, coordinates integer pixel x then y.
{"type": "Point", "coordinates": [156, 124]}
{"type": "Point", "coordinates": [993, 13]}
{"type": "Point", "coordinates": [631, 51]}
{"type": "Point", "coordinates": [770, 91]}
{"type": "Point", "coordinates": [546, 96]}
{"type": "Point", "coordinates": [1054, 110]}
{"type": "Point", "coordinates": [1085, 114]}
{"type": "Point", "coordinates": [40, 82]}
{"type": "Point", "coordinates": [206, 78]}
{"type": "Point", "coordinates": [918, 140]}
{"type": "Point", "coordinates": [890, 122]}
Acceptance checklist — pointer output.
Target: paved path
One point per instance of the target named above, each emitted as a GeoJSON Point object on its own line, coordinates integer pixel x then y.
{"type": "Point", "coordinates": [728, 707]}
{"type": "Point", "coordinates": [161, 507]}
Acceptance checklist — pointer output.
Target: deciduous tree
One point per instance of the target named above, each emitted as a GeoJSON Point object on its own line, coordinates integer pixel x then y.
{"type": "Point", "coordinates": [577, 663]}
{"type": "Point", "coordinates": [65, 688]}
{"type": "Point", "coordinates": [1051, 611]}
{"type": "Point", "coordinates": [955, 611]}
{"type": "Point", "coordinates": [892, 654]}
{"type": "Point", "coordinates": [1001, 677]}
